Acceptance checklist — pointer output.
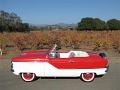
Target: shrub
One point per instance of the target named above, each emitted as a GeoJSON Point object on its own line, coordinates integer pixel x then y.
{"type": "Point", "coordinates": [92, 40]}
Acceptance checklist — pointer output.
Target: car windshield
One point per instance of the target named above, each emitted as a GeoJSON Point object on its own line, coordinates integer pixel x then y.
{"type": "Point", "coordinates": [52, 52]}
{"type": "Point", "coordinates": [54, 49]}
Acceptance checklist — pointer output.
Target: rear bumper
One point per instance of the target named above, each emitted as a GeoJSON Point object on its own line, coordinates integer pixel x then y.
{"type": "Point", "coordinates": [107, 69]}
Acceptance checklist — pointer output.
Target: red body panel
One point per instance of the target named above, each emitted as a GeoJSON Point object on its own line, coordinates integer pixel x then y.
{"type": "Point", "coordinates": [35, 52]}
{"type": "Point", "coordinates": [30, 58]}
{"type": "Point", "coordinates": [79, 62]}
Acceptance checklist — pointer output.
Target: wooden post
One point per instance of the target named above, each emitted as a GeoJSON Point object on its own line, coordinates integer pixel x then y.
{"type": "Point", "coordinates": [0, 51]}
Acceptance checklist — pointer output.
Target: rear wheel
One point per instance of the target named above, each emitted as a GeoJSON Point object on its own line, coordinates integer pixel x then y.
{"type": "Point", "coordinates": [87, 77]}
{"type": "Point", "coordinates": [28, 77]}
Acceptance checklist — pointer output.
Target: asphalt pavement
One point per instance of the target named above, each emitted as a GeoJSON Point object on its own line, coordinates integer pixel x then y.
{"type": "Point", "coordinates": [110, 81]}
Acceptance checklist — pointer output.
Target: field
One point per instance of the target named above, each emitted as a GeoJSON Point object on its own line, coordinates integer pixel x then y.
{"type": "Point", "coordinates": [84, 40]}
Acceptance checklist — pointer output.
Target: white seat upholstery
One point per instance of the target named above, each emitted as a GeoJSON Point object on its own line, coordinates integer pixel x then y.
{"type": "Point", "coordinates": [64, 55]}
{"type": "Point", "coordinates": [80, 53]}
{"type": "Point", "coordinates": [76, 54]}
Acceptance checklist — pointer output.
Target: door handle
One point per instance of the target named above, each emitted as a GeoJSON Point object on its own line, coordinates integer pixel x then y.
{"type": "Point", "coordinates": [71, 61]}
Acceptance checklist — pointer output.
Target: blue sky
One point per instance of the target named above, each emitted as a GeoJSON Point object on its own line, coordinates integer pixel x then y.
{"type": "Point", "coordinates": [61, 11]}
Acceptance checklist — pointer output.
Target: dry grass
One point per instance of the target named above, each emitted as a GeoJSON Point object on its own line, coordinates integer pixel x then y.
{"type": "Point", "coordinates": [92, 40]}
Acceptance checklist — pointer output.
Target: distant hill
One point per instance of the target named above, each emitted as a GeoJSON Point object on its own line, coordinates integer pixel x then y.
{"type": "Point", "coordinates": [66, 25]}
{"type": "Point", "coordinates": [62, 25]}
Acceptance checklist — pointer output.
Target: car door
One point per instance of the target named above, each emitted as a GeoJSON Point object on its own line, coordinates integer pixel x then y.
{"type": "Point", "coordinates": [81, 62]}
{"type": "Point", "coordinates": [65, 63]}
{"type": "Point", "coordinates": [60, 63]}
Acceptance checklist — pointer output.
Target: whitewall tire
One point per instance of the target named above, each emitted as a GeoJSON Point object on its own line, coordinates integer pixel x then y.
{"type": "Point", "coordinates": [28, 77]}
{"type": "Point", "coordinates": [88, 77]}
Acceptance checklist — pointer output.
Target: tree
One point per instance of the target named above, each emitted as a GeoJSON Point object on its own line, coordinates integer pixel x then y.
{"type": "Point", "coordinates": [86, 24]}
{"type": "Point", "coordinates": [91, 24]}
{"type": "Point", "coordinates": [26, 27]}
{"type": "Point", "coordinates": [99, 24]}
{"type": "Point", "coordinates": [113, 24]}
{"type": "Point", "coordinates": [10, 22]}
{"type": "Point", "coordinates": [1, 25]}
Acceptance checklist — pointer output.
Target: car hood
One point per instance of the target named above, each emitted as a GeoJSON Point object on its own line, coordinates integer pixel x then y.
{"type": "Point", "coordinates": [35, 52]}
{"type": "Point", "coordinates": [29, 57]}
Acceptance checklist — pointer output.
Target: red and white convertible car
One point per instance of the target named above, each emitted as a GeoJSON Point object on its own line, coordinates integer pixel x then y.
{"type": "Point", "coordinates": [49, 63]}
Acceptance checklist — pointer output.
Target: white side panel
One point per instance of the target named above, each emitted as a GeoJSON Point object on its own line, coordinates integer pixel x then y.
{"type": "Point", "coordinates": [37, 68]}
{"type": "Point", "coordinates": [46, 69]}
{"type": "Point", "coordinates": [52, 71]}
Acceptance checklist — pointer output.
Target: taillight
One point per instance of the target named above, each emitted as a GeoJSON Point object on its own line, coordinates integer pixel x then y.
{"type": "Point", "coordinates": [103, 55]}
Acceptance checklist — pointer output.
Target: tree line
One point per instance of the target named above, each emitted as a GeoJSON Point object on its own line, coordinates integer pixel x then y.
{"type": "Point", "coordinates": [90, 23]}
{"type": "Point", "coordinates": [10, 22]}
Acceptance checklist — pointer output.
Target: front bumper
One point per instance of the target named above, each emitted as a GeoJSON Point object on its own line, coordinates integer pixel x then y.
{"type": "Point", "coordinates": [12, 70]}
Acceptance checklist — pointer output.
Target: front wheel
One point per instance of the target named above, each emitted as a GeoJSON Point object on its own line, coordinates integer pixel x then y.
{"type": "Point", "coordinates": [28, 77]}
{"type": "Point", "coordinates": [87, 77]}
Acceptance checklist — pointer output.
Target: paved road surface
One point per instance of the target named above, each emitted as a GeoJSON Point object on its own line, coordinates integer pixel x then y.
{"type": "Point", "coordinates": [111, 81]}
